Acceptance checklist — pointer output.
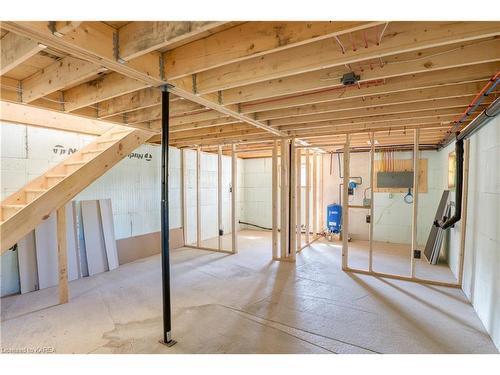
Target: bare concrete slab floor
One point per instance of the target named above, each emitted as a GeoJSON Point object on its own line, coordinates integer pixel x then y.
{"type": "Point", "coordinates": [246, 303]}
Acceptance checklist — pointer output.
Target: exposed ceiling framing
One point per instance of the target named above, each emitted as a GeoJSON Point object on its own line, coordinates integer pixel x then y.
{"type": "Point", "coordinates": [251, 82]}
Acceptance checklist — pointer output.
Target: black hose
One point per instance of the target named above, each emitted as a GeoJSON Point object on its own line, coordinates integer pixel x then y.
{"type": "Point", "coordinates": [254, 225]}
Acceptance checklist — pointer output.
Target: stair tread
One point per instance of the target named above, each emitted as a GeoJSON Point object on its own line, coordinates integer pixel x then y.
{"type": "Point", "coordinates": [75, 162]}
{"type": "Point", "coordinates": [13, 205]}
{"type": "Point", "coordinates": [55, 175]}
{"type": "Point", "coordinates": [91, 151]}
{"type": "Point", "coordinates": [35, 190]}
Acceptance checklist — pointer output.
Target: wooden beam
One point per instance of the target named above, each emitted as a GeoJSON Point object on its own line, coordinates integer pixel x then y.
{"type": "Point", "coordinates": [400, 37]}
{"type": "Point", "coordinates": [15, 50]}
{"type": "Point", "coordinates": [62, 255]}
{"type": "Point", "coordinates": [66, 72]}
{"type": "Point", "coordinates": [140, 37]}
{"type": "Point", "coordinates": [250, 39]}
{"type": "Point", "coordinates": [22, 114]}
{"type": "Point", "coordinates": [103, 88]}
{"type": "Point", "coordinates": [140, 99]}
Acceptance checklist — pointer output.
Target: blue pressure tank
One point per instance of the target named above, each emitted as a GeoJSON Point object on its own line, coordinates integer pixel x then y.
{"type": "Point", "coordinates": [334, 217]}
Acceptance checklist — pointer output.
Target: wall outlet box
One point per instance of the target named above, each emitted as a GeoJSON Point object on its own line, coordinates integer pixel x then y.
{"type": "Point", "coordinates": [417, 254]}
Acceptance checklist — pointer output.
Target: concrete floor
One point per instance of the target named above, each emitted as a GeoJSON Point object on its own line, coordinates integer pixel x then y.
{"type": "Point", "coordinates": [246, 303]}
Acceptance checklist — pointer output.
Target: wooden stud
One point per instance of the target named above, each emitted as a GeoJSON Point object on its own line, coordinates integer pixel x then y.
{"type": "Point", "coordinates": [414, 222]}
{"type": "Point", "coordinates": [298, 174]}
{"type": "Point", "coordinates": [345, 205]}
{"type": "Point", "coordinates": [198, 198]}
{"type": "Point", "coordinates": [184, 193]}
{"type": "Point", "coordinates": [463, 224]}
{"type": "Point", "coordinates": [275, 187]}
{"type": "Point", "coordinates": [308, 196]}
{"type": "Point", "coordinates": [234, 198]}
{"type": "Point", "coordinates": [315, 195]}
{"type": "Point", "coordinates": [219, 196]}
{"type": "Point", "coordinates": [372, 203]}
{"type": "Point", "coordinates": [284, 197]}
{"type": "Point", "coordinates": [292, 249]}
{"type": "Point", "coordinates": [62, 255]}
{"type": "Point", "coordinates": [322, 200]}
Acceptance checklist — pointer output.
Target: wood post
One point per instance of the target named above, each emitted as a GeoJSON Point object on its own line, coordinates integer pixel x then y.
{"type": "Point", "coordinates": [315, 195]}
{"type": "Point", "coordinates": [463, 224]}
{"type": "Point", "coordinates": [298, 198]}
{"type": "Point", "coordinates": [62, 255]}
{"type": "Point", "coordinates": [183, 194]}
{"type": "Point", "coordinates": [292, 249]}
{"type": "Point", "coordinates": [308, 196]}
{"type": "Point", "coordinates": [414, 223]}
{"type": "Point", "coordinates": [345, 205]}
{"type": "Point", "coordinates": [372, 180]}
{"type": "Point", "coordinates": [322, 207]}
{"type": "Point", "coordinates": [198, 198]}
{"type": "Point", "coordinates": [219, 196]}
{"type": "Point", "coordinates": [275, 199]}
{"type": "Point", "coordinates": [284, 197]}
{"type": "Point", "coordinates": [234, 198]}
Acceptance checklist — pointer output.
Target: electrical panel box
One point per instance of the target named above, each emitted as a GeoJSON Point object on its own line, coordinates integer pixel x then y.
{"type": "Point", "coordinates": [395, 179]}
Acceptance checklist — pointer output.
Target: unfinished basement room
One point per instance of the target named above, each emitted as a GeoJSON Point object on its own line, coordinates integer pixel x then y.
{"type": "Point", "coordinates": [250, 187]}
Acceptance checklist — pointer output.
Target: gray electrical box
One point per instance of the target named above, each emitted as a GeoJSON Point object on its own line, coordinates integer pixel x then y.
{"type": "Point", "coordinates": [395, 179]}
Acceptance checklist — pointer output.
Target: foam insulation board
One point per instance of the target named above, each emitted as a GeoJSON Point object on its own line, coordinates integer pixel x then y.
{"type": "Point", "coordinates": [95, 247]}
{"type": "Point", "coordinates": [46, 252]}
{"type": "Point", "coordinates": [28, 271]}
{"type": "Point", "coordinates": [108, 232]}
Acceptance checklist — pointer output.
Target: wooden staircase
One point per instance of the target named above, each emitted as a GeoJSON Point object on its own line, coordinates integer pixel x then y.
{"type": "Point", "coordinates": [26, 208]}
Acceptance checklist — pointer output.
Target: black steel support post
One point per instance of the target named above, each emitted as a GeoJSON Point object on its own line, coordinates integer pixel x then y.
{"type": "Point", "coordinates": [165, 234]}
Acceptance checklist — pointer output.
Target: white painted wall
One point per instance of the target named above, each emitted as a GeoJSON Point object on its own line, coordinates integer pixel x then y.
{"type": "Point", "coordinates": [481, 281]}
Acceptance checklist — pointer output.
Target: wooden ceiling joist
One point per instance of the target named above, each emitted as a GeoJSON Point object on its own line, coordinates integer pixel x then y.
{"type": "Point", "coordinates": [251, 39]}
{"type": "Point", "coordinates": [252, 82]}
{"type": "Point", "coordinates": [61, 74]}
{"type": "Point", "coordinates": [16, 49]}
{"type": "Point", "coordinates": [400, 37]}
{"type": "Point", "coordinates": [141, 37]}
